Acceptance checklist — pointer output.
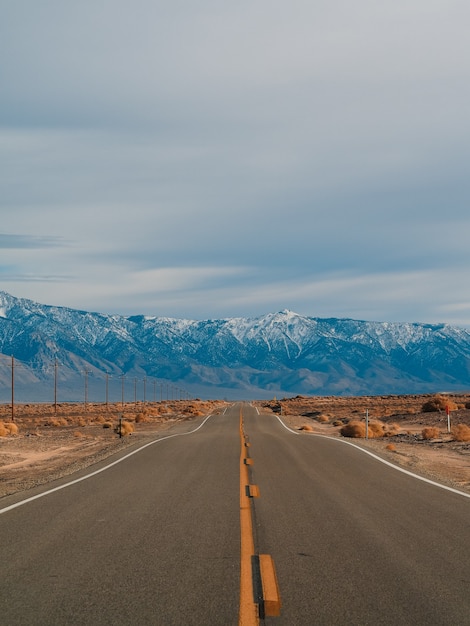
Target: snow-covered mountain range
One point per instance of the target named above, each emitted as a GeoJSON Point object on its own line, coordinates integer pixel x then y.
{"type": "Point", "coordinates": [80, 352]}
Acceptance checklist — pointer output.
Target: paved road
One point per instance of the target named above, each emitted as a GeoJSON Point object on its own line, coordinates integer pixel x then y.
{"type": "Point", "coordinates": [354, 541]}
{"type": "Point", "coordinates": [153, 540]}
{"type": "Point", "coordinates": [156, 538]}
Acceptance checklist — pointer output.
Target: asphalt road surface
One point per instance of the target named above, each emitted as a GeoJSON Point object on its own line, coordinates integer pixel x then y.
{"type": "Point", "coordinates": [155, 539]}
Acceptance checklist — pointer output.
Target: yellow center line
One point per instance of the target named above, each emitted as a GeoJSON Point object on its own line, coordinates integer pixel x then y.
{"type": "Point", "coordinates": [248, 611]}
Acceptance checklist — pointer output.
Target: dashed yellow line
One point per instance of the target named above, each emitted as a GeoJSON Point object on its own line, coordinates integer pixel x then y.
{"type": "Point", "coordinates": [249, 610]}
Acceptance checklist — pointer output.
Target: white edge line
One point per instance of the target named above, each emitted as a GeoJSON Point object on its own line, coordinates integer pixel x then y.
{"type": "Point", "coordinates": [378, 458]}
{"type": "Point", "coordinates": [78, 480]}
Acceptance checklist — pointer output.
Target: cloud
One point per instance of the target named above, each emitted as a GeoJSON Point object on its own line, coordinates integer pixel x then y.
{"type": "Point", "coordinates": [200, 158]}
{"type": "Point", "coordinates": [27, 241]}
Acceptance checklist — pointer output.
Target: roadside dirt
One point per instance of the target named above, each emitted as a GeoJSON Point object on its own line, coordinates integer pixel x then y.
{"type": "Point", "coordinates": [52, 442]}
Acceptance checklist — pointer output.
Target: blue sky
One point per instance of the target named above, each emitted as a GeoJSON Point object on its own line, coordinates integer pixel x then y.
{"type": "Point", "coordinates": [203, 159]}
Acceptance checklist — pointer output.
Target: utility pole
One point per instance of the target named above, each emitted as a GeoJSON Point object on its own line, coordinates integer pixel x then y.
{"type": "Point", "coordinates": [122, 390]}
{"type": "Point", "coordinates": [12, 388]}
{"type": "Point", "coordinates": [55, 385]}
{"type": "Point", "coordinates": [86, 387]}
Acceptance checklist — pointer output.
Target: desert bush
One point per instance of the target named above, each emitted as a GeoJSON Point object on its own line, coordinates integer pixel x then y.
{"type": "Point", "coordinates": [126, 428]}
{"type": "Point", "coordinates": [306, 427]}
{"type": "Point", "coordinates": [438, 403]}
{"type": "Point", "coordinates": [461, 432]}
{"type": "Point", "coordinates": [353, 429]}
{"type": "Point", "coordinates": [377, 429]}
{"type": "Point", "coordinates": [337, 423]}
{"type": "Point", "coordinates": [141, 418]}
{"type": "Point", "coordinates": [107, 424]}
{"type": "Point", "coordinates": [8, 428]}
{"type": "Point", "coordinates": [391, 446]}
{"type": "Point", "coordinates": [78, 433]}
{"type": "Point", "coordinates": [12, 428]}
{"type": "Point", "coordinates": [323, 418]}
{"type": "Point", "coordinates": [57, 422]}
{"type": "Point", "coordinates": [430, 432]}
{"type": "Point", "coordinates": [358, 429]}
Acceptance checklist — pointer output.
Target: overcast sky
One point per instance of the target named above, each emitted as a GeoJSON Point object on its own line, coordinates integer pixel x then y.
{"type": "Point", "coordinates": [206, 159]}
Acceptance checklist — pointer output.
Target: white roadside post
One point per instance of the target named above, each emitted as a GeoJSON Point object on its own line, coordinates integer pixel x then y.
{"type": "Point", "coordinates": [367, 423]}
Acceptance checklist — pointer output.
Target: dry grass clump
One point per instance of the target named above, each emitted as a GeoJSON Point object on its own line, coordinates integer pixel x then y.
{"type": "Point", "coordinates": [430, 432]}
{"type": "Point", "coordinates": [391, 447]}
{"type": "Point", "coordinates": [56, 422]}
{"type": "Point", "coordinates": [354, 429]}
{"type": "Point", "coordinates": [438, 403]}
{"type": "Point", "coordinates": [377, 429]}
{"type": "Point", "coordinates": [125, 428]}
{"type": "Point", "coordinates": [142, 418]}
{"type": "Point", "coordinates": [8, 428]}
{"type": "Point", "coordinates": [323, 418]}
{"type": "Point", "coordinates": [357, 429]}
{"type": "Point", "coordinates": [107, 424]}
{"type": "Point", "coordinates": [306, 427]}
{"type": "Point", "coordinates": [461, 432]}
{"type": "Point", "coordinates": [78, 433]}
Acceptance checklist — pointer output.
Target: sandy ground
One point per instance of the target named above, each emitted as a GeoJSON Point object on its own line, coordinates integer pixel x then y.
{"type": "Point", "coordinates": [55, 441]}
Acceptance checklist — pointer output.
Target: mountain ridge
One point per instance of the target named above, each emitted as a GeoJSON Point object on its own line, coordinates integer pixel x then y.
{"type": "Point", "coordinates": [273, 354]}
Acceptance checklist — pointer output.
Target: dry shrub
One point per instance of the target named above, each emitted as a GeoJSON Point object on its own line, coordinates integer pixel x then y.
{"type": "Point", "coordinates": [306, 427]}
{"type": "Point", "coordinates": [141, 418]}
{"type": "Point", "coordinates": [337, 423]}
{"type": "Point", "coordinates": [358, 429]}
{"type": "Point", "coordinates": [461, 432]}
{"type": "Point", "coordinates": [354, 429]}
{"type": "Point", "coordinates": [107, 424]}
{"type": "Point", "coordinates": [8, 428]}
{"type": "Point", "coordinates": [323, 418]}
{"type": "Point", "coordinates": [391, 446]}
{"type": "Point", "coordinates": [430, 432]}
{"type": "Point", "coordinates": [438, 403]}
{"type": "Point", "coordinates": [57, 422]}
{"type": "Point", "coordinates": [126, 428]}
{"type": "Point", "coordinates": [78, 433]}
{"type": "Point", "coordinates": [377, 429]}
{"type": "Point", "coordinates": [12, 428]}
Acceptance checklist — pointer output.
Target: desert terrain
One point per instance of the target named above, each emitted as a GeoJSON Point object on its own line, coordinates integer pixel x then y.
{"type": "Point", "coordinates": [40, 443]}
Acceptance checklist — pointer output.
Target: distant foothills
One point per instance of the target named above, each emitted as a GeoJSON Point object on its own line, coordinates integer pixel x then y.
{"type": "Point", "coordinates": [51, 353]}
